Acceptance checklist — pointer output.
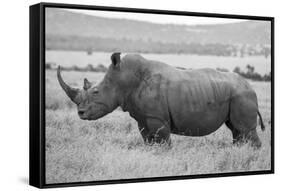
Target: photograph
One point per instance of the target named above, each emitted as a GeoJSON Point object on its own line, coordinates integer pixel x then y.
{"type": "Point", "coordinates": [131, 95]}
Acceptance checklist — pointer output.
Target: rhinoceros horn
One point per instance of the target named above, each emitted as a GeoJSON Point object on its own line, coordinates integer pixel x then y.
{"type": "Point", "coordinates": [71, 92]}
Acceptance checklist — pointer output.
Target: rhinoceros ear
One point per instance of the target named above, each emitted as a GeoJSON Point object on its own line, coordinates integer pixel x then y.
{"type": "Point", "coordinates": [87, 84]}
{"type": "Point", "coordinates": [115, 58]}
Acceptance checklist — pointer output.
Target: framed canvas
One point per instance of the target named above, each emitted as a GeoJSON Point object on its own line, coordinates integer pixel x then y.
{"type": "Point", "coordinates": [121, 95]}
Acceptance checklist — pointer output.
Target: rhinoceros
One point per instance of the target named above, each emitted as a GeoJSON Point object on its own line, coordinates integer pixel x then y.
{"type": "Point", "coordinates": [164, 99]}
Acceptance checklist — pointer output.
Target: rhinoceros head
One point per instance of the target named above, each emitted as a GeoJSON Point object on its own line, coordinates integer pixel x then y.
{"type": "Point", "coordinates": [95, 101]}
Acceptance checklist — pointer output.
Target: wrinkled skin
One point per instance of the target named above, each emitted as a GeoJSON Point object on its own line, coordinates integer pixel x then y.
{"type": "Point", "coordinates": [165, 100]}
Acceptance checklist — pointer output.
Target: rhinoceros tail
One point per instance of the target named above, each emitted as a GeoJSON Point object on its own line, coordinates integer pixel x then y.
{"type": "Point", "coordinates": [261, 121]}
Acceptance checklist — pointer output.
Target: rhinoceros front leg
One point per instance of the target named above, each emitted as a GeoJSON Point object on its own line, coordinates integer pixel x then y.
{"type": "Point", "coordinates": [155, 131]}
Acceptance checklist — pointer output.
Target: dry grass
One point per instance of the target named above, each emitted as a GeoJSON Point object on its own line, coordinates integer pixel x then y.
{"type": "Point", "coordinates": [112, 148]}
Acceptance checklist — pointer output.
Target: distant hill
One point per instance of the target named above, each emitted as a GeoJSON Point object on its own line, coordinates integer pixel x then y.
{"type": "Point", "coordinates": [67, 30]}
{"type": "Point", "coordinates": [65, 23]}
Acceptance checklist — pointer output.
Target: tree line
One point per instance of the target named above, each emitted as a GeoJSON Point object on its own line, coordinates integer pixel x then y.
{"type": "Point", "coordinates": [251, 74]}
{"type": "Point", "coordinates": [248, 74]}
{"type": "Point", "coordinates": [88, 68]}
{"type": "Point", "coordinates": [92, 44]}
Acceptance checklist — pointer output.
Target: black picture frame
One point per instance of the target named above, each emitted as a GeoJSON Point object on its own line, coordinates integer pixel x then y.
{"type": "Point", "coordinates": [37, 94]}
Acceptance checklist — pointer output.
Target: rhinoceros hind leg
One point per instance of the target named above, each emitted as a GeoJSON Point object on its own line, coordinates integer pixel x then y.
{"type": "Point", "coordinates": [252, 136]}
{"type": "Point", "coordinates": [243, 118]}
{"type": "Point", "coordinates": [237, 136]}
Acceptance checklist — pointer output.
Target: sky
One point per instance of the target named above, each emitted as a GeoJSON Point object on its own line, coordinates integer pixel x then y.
{"type": "Point", "coordinates": [157, 18]}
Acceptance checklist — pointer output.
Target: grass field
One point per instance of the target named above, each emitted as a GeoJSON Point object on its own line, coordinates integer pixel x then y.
{"type": "Point", "coordinates": [112, 147]}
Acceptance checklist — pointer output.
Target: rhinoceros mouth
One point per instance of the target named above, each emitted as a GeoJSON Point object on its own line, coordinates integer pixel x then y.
{"type": "Point", "coordinates": [96, 111]}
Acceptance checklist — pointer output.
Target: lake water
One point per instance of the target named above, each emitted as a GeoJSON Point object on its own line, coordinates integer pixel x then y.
{"type": "Point", "coordinates": [70, 58]}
